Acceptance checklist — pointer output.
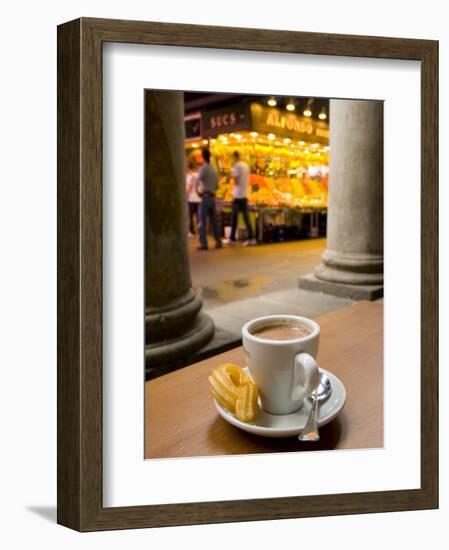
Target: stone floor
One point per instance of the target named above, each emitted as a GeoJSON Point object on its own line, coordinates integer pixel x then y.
{"type": "Point", "coordinates": [237, 273]}
{"type": "Point", "coordinates": [240, 283]}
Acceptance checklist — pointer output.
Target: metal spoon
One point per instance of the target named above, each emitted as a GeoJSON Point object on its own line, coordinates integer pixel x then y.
{"type": "Point", "coordinates": [323, 391]}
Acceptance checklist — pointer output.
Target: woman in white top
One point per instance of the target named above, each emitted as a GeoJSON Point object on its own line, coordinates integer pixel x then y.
{"type": "Point", "coordinates": [193, 199]}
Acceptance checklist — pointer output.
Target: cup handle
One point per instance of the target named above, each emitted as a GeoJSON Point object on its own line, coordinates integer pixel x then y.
{"type": "Point", "coordinates": [306, 376]}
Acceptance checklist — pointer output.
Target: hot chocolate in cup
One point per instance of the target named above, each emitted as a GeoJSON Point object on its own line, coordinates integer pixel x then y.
{"type": "Point", "coordinates": [281, 355]}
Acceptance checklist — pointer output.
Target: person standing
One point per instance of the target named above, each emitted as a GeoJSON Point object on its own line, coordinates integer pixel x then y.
{"type": "Point", "coordinates": [240, 174]}
{"type": "Point", "coordinates": [206, 186]}
{"type": "Point", "coordinates": [193, 199]}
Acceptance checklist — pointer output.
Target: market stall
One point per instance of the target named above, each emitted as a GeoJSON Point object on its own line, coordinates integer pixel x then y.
{"type": "Point", "coordinates": [288, 156]}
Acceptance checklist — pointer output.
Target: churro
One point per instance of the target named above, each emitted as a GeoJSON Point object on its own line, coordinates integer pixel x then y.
{"type": "Point", "coordinates": [246, 405]}
{"type": "Point", "coordinates": [234, 390]}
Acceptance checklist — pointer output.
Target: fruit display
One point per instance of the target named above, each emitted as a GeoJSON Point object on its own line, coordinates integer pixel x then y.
{"type": "Point", "coordinates": [271, 191]}
{"type": "Point", "coordinates": [283, 173]}
{"type": "Point", "coordinates": [235, 391]}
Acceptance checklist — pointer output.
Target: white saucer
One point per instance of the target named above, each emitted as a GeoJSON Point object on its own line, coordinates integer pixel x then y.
{"type": "Point", "coordinates": [288, 425]}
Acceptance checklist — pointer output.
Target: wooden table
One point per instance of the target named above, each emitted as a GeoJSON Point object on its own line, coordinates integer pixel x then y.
{"type": "Point", "coordinates": [181, 419]}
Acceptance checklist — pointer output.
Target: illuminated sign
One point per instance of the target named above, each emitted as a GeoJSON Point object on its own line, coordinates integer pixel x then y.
{"type": "Point", "coordinates": [224, 121]}
{"type": "Point", "coordinates": [269, 120]}
{"type": "Point", "coordinates": [265, 120]}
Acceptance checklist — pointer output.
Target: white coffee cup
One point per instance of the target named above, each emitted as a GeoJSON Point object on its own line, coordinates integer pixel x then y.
{"type": "Point", "coordinates": [285, 371]}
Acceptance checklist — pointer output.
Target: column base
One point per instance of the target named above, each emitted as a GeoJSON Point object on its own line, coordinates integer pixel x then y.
{"type": "Point", "coordinates": [222, 340]}
{"type": "Point", "coordinates": [342, 290]}
{"type": "Point", "coordinates": [351, 268]}
{"type": "Point", "coordinates": [163, 354]}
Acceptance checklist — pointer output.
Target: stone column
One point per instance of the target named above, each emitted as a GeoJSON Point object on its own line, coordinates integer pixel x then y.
{"type": "Point", "coordinates": [175, 326]}
{"type": "Point", "coordinates": [353, 260]}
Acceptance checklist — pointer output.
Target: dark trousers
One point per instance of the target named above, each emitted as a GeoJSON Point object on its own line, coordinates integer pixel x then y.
{"type": "Point", "coordinates": [208, 211]}
{"type": "Point", "coordinates": [193, 212]}
{"type": "Point", "coordinates": [240, 205]}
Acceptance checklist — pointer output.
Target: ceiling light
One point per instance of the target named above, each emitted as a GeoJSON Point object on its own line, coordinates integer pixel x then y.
{"type": "Point", "coordinates": [272, 102]}
{"type": "Point", "coordinates": [308, 109]}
